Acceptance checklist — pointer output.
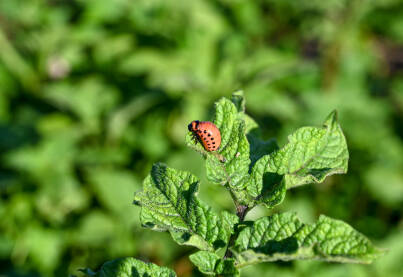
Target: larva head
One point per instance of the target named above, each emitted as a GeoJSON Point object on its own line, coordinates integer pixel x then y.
{"type": "Point", "coordinates": [193, 126]}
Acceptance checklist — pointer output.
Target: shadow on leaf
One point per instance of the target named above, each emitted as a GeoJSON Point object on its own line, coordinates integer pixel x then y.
{"type": "Point", "coordinates": [259, 148]}
{"type": "Point", "coordinates": [288, 245]}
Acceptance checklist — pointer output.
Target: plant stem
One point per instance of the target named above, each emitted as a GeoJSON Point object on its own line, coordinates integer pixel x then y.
{"type": "Point", "coordinates": [241, 212]}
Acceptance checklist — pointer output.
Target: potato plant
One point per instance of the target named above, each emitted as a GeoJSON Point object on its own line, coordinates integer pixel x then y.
{"type": "Point", "coordinates": [254, 172]}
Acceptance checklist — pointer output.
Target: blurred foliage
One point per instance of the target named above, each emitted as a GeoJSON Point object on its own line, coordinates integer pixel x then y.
{"type": "Point", "coordinates": [93, 92]}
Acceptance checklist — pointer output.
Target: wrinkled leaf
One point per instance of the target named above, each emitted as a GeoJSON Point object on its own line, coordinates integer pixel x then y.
{"type": "Point", "coordinates": [129, 267]}
{"type": "Point", "coordinates": [284, 237]}
{"type": "Point", "coordinates": [169, 203]}
{"type": "Point", "coordinates": [229, 165]}
{"type": "Point", "coordinates": [234, 148]}
{"type": "Point", "coordinates": [211, 264]}
{"type": "Point", "coordinates": [311, 155]}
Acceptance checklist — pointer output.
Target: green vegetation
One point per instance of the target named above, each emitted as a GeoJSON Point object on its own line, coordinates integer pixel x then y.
{"type": "Point", "coordinates": [93, 93]}
{"type": "Point", "coordinates": [169, 199]}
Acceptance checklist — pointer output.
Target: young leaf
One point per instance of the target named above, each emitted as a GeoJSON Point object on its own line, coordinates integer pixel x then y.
{"type": "Point", "coordinates": [234, 147]}
{"type": "Point", "coordinates": [169, 203]}
{"type": "Point", "coordinates": [231, 171]}
{"type": "Point", "coordinates": [238, 100]}
{"type": "Point", "coordinates": [211, 264]}
{"type": "Point", "coordinates": [284, 237]}
{"type": "Point", "coordinates": [128, 267]}
{"type": "Point", "coordinates": [311, 155]}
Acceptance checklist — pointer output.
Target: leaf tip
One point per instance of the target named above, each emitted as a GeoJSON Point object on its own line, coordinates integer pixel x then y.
{"type": "Point", "coordinates": [331, 119]}
{"type": "Point", "coordinates": [238, 100]}
{"type": "Point", "coordinates": [158, 169]}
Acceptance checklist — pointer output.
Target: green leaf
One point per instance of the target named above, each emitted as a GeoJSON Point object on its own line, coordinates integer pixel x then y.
{"type": "Point", "coordinates": [169, 203]}
{"type": "Point", "coordinates": [272, 189]}
{"type": "Point", "coordinates": [234, 148]}
{"type": "Point", "coordinates": [284, 237]}
{"type": "Point", "coordinates": [238, 100]}
{"type": "Point", "coordinates": [211, 264]}
{"type": "Point", "coordinates": [311, 155]}
{"type": "Point", "coordinates": [264, 186]}
{"type": "Point", "coordinates": [128, 267]}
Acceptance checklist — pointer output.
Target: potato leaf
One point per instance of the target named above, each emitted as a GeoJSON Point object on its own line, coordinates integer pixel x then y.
{"type": "Point", "coordinates": [211, 264]}
{"type": "Point", "coordinates": [169, 203]}
{"type": "Point", "coordinates": [128, 267]}
{"type": "Point", "coordinates": [284, 237]}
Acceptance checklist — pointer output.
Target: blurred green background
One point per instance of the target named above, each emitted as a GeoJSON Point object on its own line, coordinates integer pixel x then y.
{"type": "Point", "coordinates": [93, 92]}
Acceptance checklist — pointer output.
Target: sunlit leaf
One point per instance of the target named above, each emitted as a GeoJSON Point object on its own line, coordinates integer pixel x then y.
{"type": "Point", "coordinates": [211, 264]}
{"type": "Point", "coordinates": [169, 203]}
{"type": "Point", "coordinates": [284, 237]}
{"type": "Point", "coordinates": [128, 267]}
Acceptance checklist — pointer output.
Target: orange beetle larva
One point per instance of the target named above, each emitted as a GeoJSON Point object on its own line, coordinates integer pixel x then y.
{"type": "Point", "coordinates": [207, 133]}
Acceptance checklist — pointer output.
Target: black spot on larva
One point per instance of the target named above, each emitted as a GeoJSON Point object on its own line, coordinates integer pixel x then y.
{"type": "Point", "coordinates": [213, 142]}
{"type": "Point", "coordinates": [205, 131]}
{"type": "Point", "coordinates": [209, 134]}
{"type": "Point", "coordinates": [212, 138]}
